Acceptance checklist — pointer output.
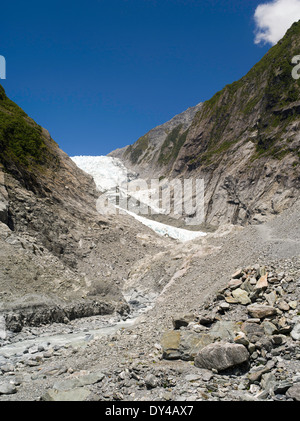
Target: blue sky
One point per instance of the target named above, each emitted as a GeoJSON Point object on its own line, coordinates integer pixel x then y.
{"type": "Point", "coordinates": [101, 73]}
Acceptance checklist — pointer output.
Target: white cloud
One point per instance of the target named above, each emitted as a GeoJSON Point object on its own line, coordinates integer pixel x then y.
{"type": "Point", "coordinates": [274, 18]}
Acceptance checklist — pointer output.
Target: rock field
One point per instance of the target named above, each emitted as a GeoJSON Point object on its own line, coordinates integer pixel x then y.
{"type": "Point", "coordinates": [226, 328]}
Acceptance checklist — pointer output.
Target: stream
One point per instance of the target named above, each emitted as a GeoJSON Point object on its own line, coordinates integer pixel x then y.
{"type": "Point", "coordinates": [32, 342]}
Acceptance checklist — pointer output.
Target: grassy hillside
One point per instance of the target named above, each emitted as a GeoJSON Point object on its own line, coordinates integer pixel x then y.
{"type": "Point", "coordinates": [22, 142]}
{"type": "Point", "coordinates": [263, 103]}
{"type": "Point", "coordinates": [26, 149]}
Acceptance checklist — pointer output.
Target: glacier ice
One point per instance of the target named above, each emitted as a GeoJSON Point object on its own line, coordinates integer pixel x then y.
{"type": "Point", "coordinates": [109, 172]}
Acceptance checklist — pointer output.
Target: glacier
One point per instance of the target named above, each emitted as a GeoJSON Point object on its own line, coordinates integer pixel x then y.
{"type": "Point", "coordinates": [109, 173]}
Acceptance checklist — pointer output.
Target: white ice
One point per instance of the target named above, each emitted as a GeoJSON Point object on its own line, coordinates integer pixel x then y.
{"type": "Point", "coordinates": [110, 172]}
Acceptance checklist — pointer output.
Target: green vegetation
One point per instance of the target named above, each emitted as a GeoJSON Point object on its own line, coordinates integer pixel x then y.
{"type": "Point", "coordinates": [276, 65]}
{"type": "Point", "coordinates": [21, 141]}
{"type": "Point", "coordinates": [137, 150]}
{"type": "Point", "coordinates": [172, 145]}
{"type": "Point", "coordinates": [251, 104]}
{"type": "Point", "coordinates": [263, 99]}
{"type": "Point", "coordinates": [211, 103]}
{"type": "Point", "coordinates": [274, 150]}
{"type": "Point", "coordinates": [212, 154]}
{"type": "Point", "coordinates": [264, 144]}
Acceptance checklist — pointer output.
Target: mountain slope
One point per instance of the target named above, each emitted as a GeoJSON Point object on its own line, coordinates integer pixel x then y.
{"type": "Point", "coordinates": [160, 146]}
{"type": "Point", "coordinates": [244, 142]}
{"type": "Point", "coordinates": [55, 248]}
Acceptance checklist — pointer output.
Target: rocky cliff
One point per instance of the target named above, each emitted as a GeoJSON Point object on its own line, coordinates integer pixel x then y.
{"type": "Point", "coordinates": [244, 143]}
{"type": "Point", "coordinates": [159, 147]}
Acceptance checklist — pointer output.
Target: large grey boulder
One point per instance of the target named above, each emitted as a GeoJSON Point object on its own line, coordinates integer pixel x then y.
{"type": "Point", "coordinates": [182, 320]}
{"type": "Point", "coordinates": [3, 333]}
{"type": "Point", "coordinates": [268, 382]}
{"type": "Point", "coordinates": [7, 389]}
{"type": "Point", "coordinates": [221, 356]}
{"type": "Point", "coordinates": [75, 395]}
{"type": "Point", "coordinates": [261, 311]}
{"type": "Point", "coordinates": [294, 392]}
{"type": "Point", "coordinates": [183, 345]}
{"type": "Point", "coordinates": [224, 330]}
{"type": "Point", "coordinates": [80, 381]}
{"type": "Point", "coordinates": [295, 333]}
{"type": "Point", "coordinates": [241, 296]}
{"type": "Point", "coordinates": [253, 331]}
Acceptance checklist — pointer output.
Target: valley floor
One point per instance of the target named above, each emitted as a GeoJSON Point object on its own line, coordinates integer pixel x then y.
{"type": "Point", "coordinates": [127, 364]}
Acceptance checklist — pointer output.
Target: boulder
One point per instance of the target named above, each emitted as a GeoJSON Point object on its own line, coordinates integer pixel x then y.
{"type": "Point", "coordinates": [262, 283]}
{"type": "Point", "coordinates": [293, 304]}
{"type": "Point", "coordinates": [234, 283]}
{"type": "Point", "coordinates": [75, 395]}
{"type": "Point", "coordinates": [282, 387]}
{"type": "Point", "coordinates": [247, 286]}
{"type": "Point", "coordinates": [283, 305]}
{"type": "Point", "coordinates": [221, 356]}
{"type": "Point", "coordinates": [3, 333]}
{"type": "Point", "coordinates": [256, 375]}
{"type": "Point", "coordinates": [264, 343]}
{"type": "Point", "coordinates": [79, 381]}
{"type": "Point", "coordinates": [206, 320]}
{"type": "Point", "coordinates": [269, 328]}
{"type": "Point", "coordinates": [7, 389]}
{"type": "Point", "coordinates": [183, 345]}
{"type": "Point", "coordinates": [224, 306]}
{"type": "Point", "coordinates": [191, 343]}
{"type": "Point", "coordinates": [182, 320]}
{"type": "Point", "coordinates": [271, 298]}
{"type": "Point", "coordinates": [295, 333]}
{"type": "Point", "coordinates": [230, 300]}
{"type": "Point", "coordinates": [224, 330]}
{"type": "Point", "coordinates": [294, 392]}
{"type": "Point", "coordinates": [14, 322]}
{"type": "Point", "coordinates": [170, 344]}
{"type": "Point", "coordinates": [151, 381]}
{"type": "Point", "coordinates": [268, 382]}
{"type": "Point", "coordinates": [261, 311]}
{"type": "Point", "coordinates": [253, 331]}
{"type": "Point", "coordinates": [241, 339]}
{"type": "Point", "coordinates": [278, 339]}
{"type": "Point", "coordinates": [238, 274]}
{"type": "Point", "coordinates": [241, 296]}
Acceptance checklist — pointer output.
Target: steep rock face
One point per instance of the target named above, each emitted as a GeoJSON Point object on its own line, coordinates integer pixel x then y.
{"type": "Point", "coordinates": [244, 142]}
{"type": "Point", "coordinates": [55, 247]}
{"type": "Point", "coordinates": [159, 147]}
